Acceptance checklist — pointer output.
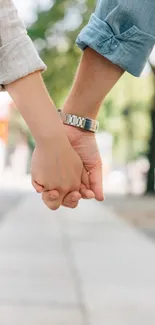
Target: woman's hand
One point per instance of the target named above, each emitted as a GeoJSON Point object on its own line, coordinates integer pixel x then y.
{"type": "Point", "coordinates": [58, 168]}
{"type": "Point", "coordinates": [55, 165]}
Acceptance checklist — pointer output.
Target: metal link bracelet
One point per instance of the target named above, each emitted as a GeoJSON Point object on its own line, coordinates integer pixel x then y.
{"type": "Point", "coordinates": [83, 123]}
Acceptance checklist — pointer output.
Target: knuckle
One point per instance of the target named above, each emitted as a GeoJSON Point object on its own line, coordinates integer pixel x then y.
{"type": "Point", "coordinates": [51, 205]}
{"type": "Point", "coordinates": [69, 185]}
{"type": "Point", "coordinates": [71, 205]}
{"type": "Point", "coordinates": [68, 197]}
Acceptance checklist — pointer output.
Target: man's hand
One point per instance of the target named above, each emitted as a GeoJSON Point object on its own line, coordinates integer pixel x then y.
{"type": "Point", "coordinates": [84, 143]}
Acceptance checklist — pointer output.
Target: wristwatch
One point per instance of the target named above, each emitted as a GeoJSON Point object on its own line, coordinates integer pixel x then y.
{"type": "Point", "coordinates": [86, 124]}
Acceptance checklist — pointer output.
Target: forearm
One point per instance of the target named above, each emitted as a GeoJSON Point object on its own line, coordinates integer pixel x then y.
{"type": "Point", "coordinates": [31, 98]}
{"type": "Point", "coordinates": [95, 78]}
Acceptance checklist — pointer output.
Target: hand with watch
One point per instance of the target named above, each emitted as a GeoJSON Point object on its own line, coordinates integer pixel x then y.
{"type": "Point", "coordinates": [81, 134]}
{"type": "Point", "coordinates": [95, 78]}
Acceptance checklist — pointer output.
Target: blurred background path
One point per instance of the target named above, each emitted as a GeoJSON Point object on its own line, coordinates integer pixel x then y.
{"type": "Point", "coordinates": [81, 267]}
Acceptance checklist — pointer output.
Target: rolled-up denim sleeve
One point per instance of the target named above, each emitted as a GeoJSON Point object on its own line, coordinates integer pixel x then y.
{"type": "Point", "coordinates": [123, 31]}
{"type": "Point", "coordinates": [18, 56]}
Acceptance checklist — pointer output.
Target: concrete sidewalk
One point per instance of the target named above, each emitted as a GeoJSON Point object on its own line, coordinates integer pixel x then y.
{"type": "Point", "coordinates": [81, 267]}
{"type": "Point", "coordinates": [139, 211]}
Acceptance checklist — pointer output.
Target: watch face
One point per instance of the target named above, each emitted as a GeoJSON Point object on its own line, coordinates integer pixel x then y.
{"type": "Point", "coordinates": [88, 124]}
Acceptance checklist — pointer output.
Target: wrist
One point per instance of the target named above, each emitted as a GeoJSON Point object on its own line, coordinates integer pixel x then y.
{"type": "Point", "coordinates": [84, 123]}
{"type": "Point", "coordinates": [54, 134]}
{"type": "Point", "coordinates": [81, 110]}
{"type": "Point", "coordinates": [56, 140]}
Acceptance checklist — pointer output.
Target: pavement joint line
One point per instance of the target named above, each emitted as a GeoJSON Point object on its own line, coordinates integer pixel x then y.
{"type": "Point", "coordinates": [66, 244]}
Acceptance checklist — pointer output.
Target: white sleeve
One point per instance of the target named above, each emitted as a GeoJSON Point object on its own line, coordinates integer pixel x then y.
{"type": "Point", "coordinates": [18, 56]}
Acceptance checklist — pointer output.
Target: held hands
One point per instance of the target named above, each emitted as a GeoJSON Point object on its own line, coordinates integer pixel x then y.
{"type": "Point", "coordinates": [58, 173]}
{"type": "Point", "coordinates": [84, 144]}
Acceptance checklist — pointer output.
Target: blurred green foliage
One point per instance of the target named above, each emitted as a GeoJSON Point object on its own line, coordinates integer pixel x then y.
{"type": "Point", "coordinates": [54, 33]}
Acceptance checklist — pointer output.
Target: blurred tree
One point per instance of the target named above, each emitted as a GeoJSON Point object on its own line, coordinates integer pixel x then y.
{"type": "Point", "coordinates": [151, 154]}
{"type": "Point", "coordinates": [54, 34]}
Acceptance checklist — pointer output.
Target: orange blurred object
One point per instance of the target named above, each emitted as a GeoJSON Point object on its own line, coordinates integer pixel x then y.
{"type": "Point", "coordinates": [5, 106]}
{"type": "Point", "coordinates": [4, 130]}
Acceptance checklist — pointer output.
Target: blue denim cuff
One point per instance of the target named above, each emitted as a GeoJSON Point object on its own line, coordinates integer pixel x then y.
{"type": "Point", "coordinates": [129, 49]}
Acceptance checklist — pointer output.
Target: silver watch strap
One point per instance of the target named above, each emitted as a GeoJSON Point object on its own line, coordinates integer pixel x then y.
{"type": "Point", "coordinates": [79, 122]}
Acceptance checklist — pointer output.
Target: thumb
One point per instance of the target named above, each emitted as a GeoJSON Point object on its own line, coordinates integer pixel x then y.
{"type": "Point", "coordinates": [96, 182]}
